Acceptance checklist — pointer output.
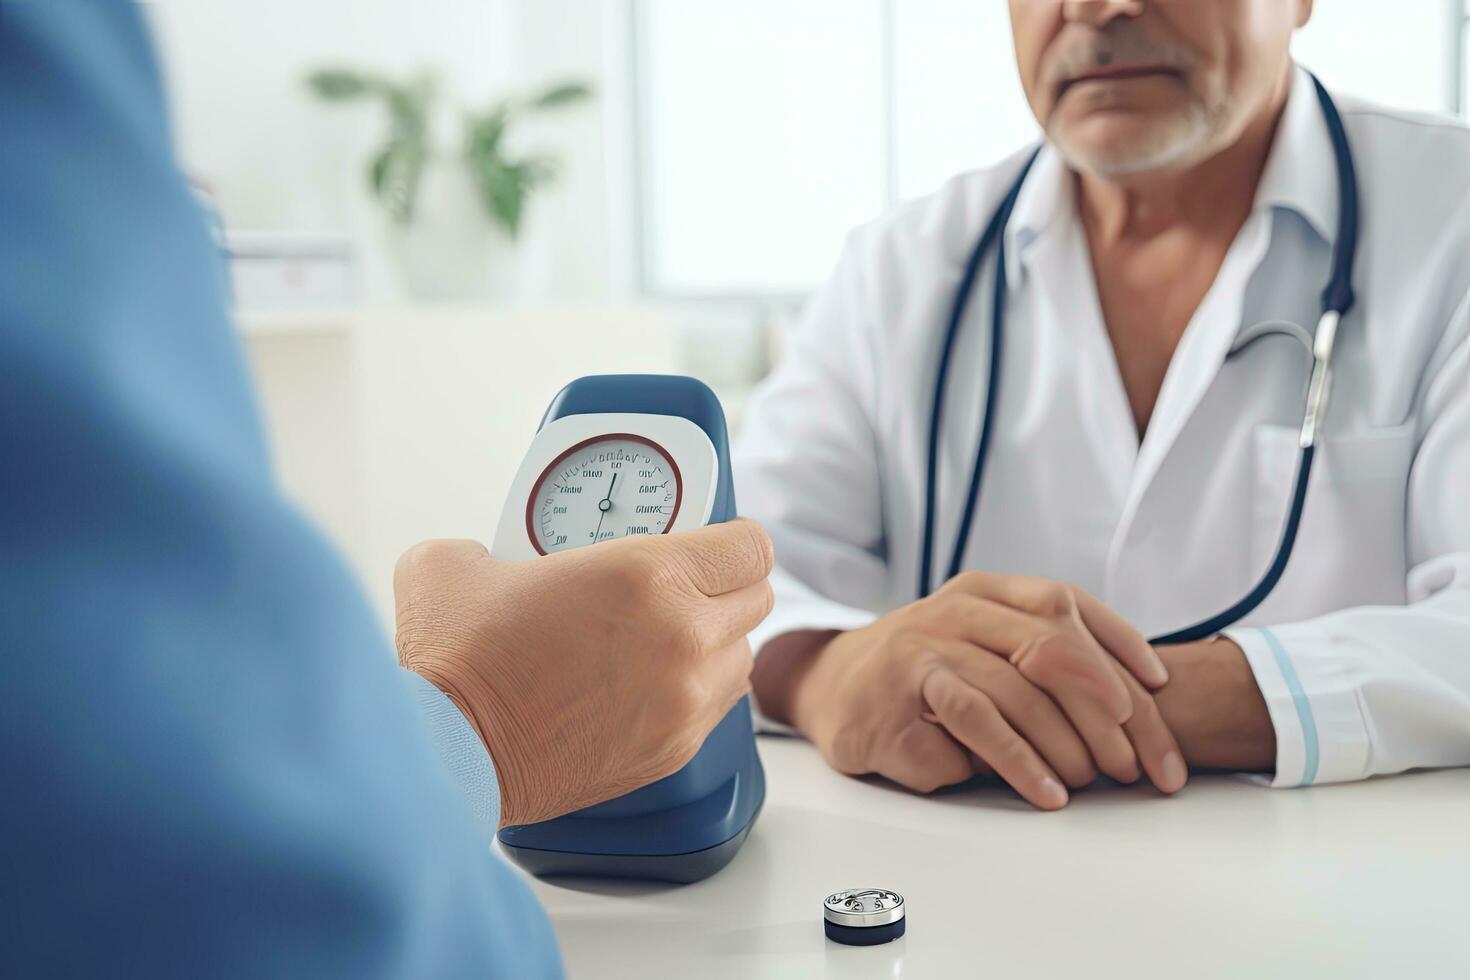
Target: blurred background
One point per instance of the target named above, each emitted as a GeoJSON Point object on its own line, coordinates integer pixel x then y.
{"type": "Point", "coordinates": [436, 213]}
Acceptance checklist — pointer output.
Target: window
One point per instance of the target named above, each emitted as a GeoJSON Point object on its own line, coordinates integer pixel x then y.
{"type": "Point", "coordinates": [958, 98]}
{"type": "Point", "coordinates": [761, 139]}
{"type": "Point", "coordinates": [1394, 53]}
{"type": "Point", "coordinates": [1463, 43]}
{"type": "Point", "coordinates": [765, 130]}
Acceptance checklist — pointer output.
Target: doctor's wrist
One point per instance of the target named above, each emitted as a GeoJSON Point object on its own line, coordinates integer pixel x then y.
{"type": "Point", "coordinates": [782, 669]}
{"type": "Point", "coordinates": [1214, 707]}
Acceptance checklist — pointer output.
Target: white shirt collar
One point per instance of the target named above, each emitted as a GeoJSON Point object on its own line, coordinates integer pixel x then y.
{"type": "Point", "coordinates": [1301, 173]}
{"type": "Point", "coordinates": [1300, 176]}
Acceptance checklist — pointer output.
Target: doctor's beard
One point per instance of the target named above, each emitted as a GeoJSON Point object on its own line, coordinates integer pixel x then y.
{"type": "Point", "coordinates": [1178, 137]}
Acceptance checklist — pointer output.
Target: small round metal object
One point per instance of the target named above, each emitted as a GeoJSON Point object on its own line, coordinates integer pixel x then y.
{"type": "Point", "coordinates": [864, 916]}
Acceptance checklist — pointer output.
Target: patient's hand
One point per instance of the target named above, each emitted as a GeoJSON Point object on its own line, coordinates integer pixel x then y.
{"type": "Point", "coordinates": [1035, 679]}
{"type": "Point", "coordinates": [591, 672]}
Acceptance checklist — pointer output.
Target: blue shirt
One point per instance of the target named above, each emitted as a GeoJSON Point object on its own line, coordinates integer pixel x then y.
{"type": "Point", "coordinates": [242, 785]}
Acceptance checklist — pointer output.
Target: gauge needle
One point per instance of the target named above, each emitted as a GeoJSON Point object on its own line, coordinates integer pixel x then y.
{"type": "Point", "coordinates": [604, 505]}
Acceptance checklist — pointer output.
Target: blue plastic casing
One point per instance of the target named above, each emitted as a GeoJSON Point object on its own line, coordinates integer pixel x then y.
{"type": "Point", "coordinates": [687, 826]}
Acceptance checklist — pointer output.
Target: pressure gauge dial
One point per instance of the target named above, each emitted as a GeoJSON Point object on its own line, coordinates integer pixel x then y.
{"type": "Point", "coordinates": [614, 486]}
{"type": "Point", "coordinates": [600, 477]}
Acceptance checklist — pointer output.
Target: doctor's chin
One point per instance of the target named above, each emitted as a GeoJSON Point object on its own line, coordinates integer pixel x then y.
{"type": "Point", "coordinates": [664, 488]}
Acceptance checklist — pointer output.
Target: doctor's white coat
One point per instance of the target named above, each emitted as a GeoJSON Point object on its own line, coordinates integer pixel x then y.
{"type": "Point", "coordinates": [1363, 649]}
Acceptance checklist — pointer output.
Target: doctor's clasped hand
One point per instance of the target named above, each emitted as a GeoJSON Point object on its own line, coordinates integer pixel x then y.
{"type": "Point", "coordinates": [1033, 680]}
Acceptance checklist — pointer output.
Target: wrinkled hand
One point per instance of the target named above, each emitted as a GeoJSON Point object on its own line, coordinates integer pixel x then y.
{"type": "Point", "coordinates": [591, 672]}
{"type": "Point", "coordinates": [1034, 680]}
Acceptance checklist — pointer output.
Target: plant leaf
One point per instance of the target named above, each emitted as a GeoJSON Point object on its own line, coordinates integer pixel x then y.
{"type": "Point", "coordinates": [503, 189]}
{"type": "Point", "coordinates": [559, 96]}
{"type": "Point", "coordinates": [378, 170]}
{"type": "Point", "coordinates": [396, 170]}
{"type": "Point", "coordinates": [338, 84]}
{"type": "Point", "coordinates": [508, 199]}
{"type": "Point", "coordinates": [394, 174]}
{"type": "Point", "coordinates": [485, 132]}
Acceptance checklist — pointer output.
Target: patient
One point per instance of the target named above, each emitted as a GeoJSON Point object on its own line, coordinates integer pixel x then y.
{"type": "Point", "coordinates": [212, 767]}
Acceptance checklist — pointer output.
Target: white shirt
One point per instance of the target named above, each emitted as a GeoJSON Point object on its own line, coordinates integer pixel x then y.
{"type": "Point", "coordinates": [1363, 649]}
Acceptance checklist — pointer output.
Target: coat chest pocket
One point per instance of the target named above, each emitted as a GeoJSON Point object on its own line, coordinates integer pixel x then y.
{"type": "Point", "coordinates": [1350, 547]}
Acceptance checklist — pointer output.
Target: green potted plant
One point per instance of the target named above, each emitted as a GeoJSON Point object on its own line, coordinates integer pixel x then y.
{"type": "Point", "coordinates": [454, 190]}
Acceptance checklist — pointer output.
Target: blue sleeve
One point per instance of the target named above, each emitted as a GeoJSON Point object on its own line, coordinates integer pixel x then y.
{"type": "Point", "coordinates": [462, 753]}
{"type": "Point", "coordinates": [211, 765]}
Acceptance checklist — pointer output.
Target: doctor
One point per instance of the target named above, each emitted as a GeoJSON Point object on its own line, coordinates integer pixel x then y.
{"type": "Point", "coordinates": [1128, 369]}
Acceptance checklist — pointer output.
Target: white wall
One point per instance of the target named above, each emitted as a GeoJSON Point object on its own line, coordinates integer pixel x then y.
{"type": "Point", "coordinates": [279, 160]}
{"type": "Point", "coordinates": [392, 427]}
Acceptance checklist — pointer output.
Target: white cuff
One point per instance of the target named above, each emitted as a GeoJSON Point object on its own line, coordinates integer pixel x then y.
{"type": "Point", "coordinates": [1321, 734]}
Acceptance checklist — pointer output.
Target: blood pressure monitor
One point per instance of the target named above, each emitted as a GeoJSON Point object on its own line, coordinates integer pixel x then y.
{"type": "Point", "coordinates": [622, 456]}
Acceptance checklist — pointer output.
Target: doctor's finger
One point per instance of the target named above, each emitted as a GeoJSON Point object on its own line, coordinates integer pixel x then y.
{"type": "Point", "coordinates": [1035, 717]}
{"type": "Point", "coordinates": [1122, 640]}
{"type": "Point", "coordinates": [1105, 738]}
{"type": "Point", "coordinates": [973, 719]}
{"type": "Point", "coordinates": [922, 757]}
{"type": "Point", "coordinates": [721, 558]}
{"type": "Point", "coordinates": [1154, 744]}
{"type": "Point", "coordinates": [1026, 708]}
{"type": "Point", "coordinates": [1059, 601]}
{"type": "Point", "coordinates": [1055, 656]}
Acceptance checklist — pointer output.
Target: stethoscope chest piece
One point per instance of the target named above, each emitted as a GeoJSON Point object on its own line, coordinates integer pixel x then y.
{"type": "Point", "coordinates": [864, 916]}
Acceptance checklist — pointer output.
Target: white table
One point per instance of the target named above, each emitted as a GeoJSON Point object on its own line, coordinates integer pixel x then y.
{"type": "Point", "coordinates": [1227, 879]}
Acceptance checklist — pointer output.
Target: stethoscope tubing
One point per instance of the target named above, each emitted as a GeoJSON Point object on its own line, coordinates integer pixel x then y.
{"type": "Point", "coordinates": [1338, 299]}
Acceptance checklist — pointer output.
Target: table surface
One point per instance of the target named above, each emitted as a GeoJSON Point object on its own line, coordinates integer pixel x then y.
{"type": "Point", "coordinates": [1229, 878]}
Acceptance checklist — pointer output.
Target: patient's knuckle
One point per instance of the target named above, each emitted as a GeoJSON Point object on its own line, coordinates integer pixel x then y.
{"type": "Point", "coordinates": [421, 558]}
{"type": "Point", "coordinates": [637, 579]}
{"type": "Point", "coordinates": [768, 600]}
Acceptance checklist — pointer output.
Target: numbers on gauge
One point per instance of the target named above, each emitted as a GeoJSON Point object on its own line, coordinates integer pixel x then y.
{"type": "Point", "coordinates": [609, 487]}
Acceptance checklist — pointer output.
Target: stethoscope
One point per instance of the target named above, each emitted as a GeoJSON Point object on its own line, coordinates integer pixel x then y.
{"type": "Point", "coordinates": [1337, 300]}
